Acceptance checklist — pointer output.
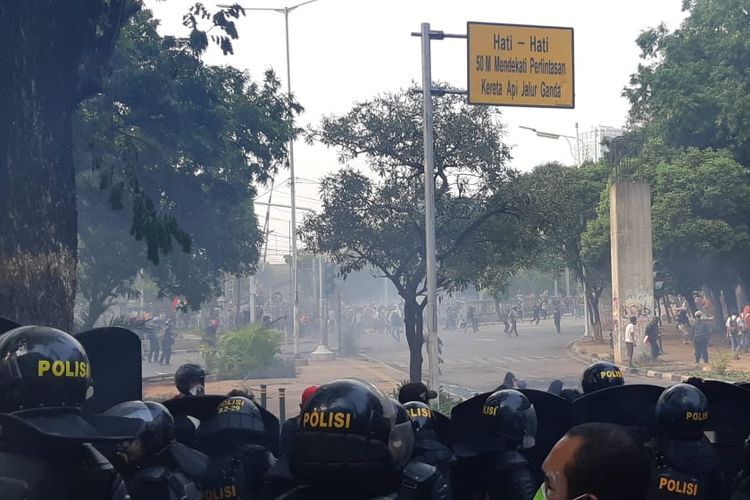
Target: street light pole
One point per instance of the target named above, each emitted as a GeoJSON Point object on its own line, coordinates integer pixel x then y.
{"type": "Point", "coordinates": [292, 190]}
{"type": "Point", "coordinates": [429, 196]}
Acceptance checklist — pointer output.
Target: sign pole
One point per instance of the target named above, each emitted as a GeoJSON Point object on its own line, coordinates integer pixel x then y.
{"type": "Point", "coordinates": [429, 212]}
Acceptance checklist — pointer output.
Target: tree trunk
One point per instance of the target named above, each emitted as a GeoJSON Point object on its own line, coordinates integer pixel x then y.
{"type": "Point", "coordinates": [730, 298]}
{"type": "Point", "coordinates": [41, 52]}
{"type": "Point", "coordinates": [595, 321]}
{"type": "Point", "coordinates": [414, 337]}
{"type": "Point", "coordinates": [714, 294]}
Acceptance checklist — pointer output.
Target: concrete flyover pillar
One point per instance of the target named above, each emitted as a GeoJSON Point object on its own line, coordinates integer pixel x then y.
{"type": "Point", "coordinates": [632, 263]}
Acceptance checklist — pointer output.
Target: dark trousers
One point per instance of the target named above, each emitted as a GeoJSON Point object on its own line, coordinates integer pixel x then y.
{"type": "Point", "coordinates": [700, 345]}
{"type": "Point", "coordinates": [153, 352]}
{"type": "Point", "coordinates": [513, 329]}
{"type": "Point", "coordinates": [166, 354]}
{"type": "Point", "coordinates": [556, 319]}
{"type": "Point", "coordinates": [654, 350]}
{"type": "Point", "coordinates": [629, 346]}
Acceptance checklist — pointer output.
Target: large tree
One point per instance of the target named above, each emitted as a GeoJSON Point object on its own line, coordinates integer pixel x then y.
{"type": "Point", "coordinates": [54, 55]}
{"type": "Point", "coordinates": [175, 148]}
{"type": "Point", "coordinates": [563, 201]}
{"type": "Point", "coordinates": [693, 87]}
{"type": "Point", "coordinates": [377, 219]}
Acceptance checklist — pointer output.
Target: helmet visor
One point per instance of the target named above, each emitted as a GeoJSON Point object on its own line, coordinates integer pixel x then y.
{"type": "Point", "coordinates": [529, 438]}
{"type": "Point", "coordinates": [401, 443]}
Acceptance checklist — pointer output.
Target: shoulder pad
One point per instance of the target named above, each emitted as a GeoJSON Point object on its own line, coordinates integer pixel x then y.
{"type": "Point", "coordinates": [418, 472]}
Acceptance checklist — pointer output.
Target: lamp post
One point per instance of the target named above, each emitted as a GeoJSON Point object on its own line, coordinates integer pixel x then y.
{"type": "Point", "coordinates": [577, 157]}
{"type": "Point", "coordinates": [295, 291]}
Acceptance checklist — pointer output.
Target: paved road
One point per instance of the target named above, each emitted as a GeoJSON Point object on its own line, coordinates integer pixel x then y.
{"type": "Point", "coordinates": [479, 362]}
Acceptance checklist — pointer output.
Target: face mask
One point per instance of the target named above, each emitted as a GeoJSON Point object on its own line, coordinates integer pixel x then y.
{"type": "Point", "coordinates": [541, 494]}
{"type": "Point", "coordinates": [198, 390]}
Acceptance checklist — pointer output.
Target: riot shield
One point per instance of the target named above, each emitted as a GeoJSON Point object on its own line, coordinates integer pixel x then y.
{"type": "Point", "coordinates": [628, 405]}
{"type": "Point", "coordinates": [204, 407]}
{"type": "Point", "coordinates": [468, 429]}
{"type": "Point", "coordinates": [443, 428]}
{"type": "Point", "coordinates": [115, 357]}
{"type": "Point", "coordinates": [554, 417]}
{"type": "Point", "coordinates": [728, 425]}
{"type": "Point", "coordinates": [7, 325]}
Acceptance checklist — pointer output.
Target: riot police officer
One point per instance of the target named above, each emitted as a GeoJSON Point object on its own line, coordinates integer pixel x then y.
{"type": "Point", "coordinates": [44, 442]}
{"type": "Point", "coordinates": [236, 441]}
{"type": "Point", "coordinates": [497, 470]}
{"type": "Point", "coordinates": [685, 463]}
{"type": "Point", "coordinates": [154, 465]}
{"type": "Point", "coordinates": [190, 379]}
{"type": "Point", "coordinates": [601, 375]}
{"type": "Point", "coordinates": [354, 443]}
{"type": "Point", "coordinates": [429, 447]}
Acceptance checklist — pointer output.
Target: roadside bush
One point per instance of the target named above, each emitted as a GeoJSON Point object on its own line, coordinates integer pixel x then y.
{"type": "Point", "coordinates": [242, 352]}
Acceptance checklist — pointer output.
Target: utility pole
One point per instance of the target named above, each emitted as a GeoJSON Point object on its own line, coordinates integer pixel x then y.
{"type": "Point", "coordinates": [322, 353]}
{"type": "Point", "coordinates": [429, 212]}
{"type": "Point", "coordinates": [292, 190]}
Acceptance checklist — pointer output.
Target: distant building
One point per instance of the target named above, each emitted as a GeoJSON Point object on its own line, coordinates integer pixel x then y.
{"type": "Point", "coordinates": [592, 148]}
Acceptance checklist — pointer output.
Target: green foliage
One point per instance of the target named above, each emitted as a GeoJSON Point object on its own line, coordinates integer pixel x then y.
{"type": "Point", "coordinates": [245, 351]}
{"type": "Point", "coordinates": [168, 155]}
{"type": "Point", "coordinates": [378, 220]}
{"type": "Point", "coordinates": [693, 87]}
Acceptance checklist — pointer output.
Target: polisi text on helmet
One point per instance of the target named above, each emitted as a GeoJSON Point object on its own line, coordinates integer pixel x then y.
{"type": "Point", "coordinates": [326, 420]}
{"type": "Point", "coordinates": [611, 374]}
{"type": "Point", "coordinates": [72, 369]}
{"type": "Point", "coordinates": [489, 410]}
{"type": "Point", "coordinates": [419, 412]}
{"type": "Point", "coordinates": [230, 405]}
{"type": "Point", "coordinates": [696, 416]}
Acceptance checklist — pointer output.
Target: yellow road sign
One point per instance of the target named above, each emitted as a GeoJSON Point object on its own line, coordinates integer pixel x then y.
{"type": "Point", "coordinates": [520, 65]}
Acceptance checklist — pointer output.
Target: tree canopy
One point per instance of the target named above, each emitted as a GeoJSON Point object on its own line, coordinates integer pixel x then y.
{"type": "Point", "coordinates": [693, 87]}
{"type": "Point", "coordinates": [177, 147]}
{"type": "Point", "coordinates": [378, 219]}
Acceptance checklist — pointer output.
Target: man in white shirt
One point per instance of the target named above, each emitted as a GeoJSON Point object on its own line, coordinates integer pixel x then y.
{"type": "Point", "coordinates": [630, 339]}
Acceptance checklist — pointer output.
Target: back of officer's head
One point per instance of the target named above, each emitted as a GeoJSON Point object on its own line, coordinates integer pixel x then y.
{"type": "Point", "coordinates": [682, 412]}
{"type": "Point", "coordinates": [237, 420]}
{"type": "Point", "coordinates": [600, 460]}
{"type": "Point", "coordinates": [350, 432]}
{"type": "Point", "coordinates": [42, 368]}
{"type": "Point", "coordinates": [601, 375]}
{"type": "Point", "coordinates": [510, 415]}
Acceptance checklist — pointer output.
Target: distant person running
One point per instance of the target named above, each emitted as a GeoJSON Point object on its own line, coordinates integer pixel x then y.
{"type": "Point", "coordinates": [512, 320]}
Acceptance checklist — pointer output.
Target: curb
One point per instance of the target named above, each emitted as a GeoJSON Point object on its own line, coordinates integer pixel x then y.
{"type": "Point", "coordinates": [576, 354]}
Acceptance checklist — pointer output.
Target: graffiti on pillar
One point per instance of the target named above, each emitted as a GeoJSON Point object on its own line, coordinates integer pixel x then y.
{"type": "Point", "coordinates": [638, 305]}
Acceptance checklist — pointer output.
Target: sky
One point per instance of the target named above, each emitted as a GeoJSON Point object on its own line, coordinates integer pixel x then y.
{"type": "Point", "coordinates": [345, 51]}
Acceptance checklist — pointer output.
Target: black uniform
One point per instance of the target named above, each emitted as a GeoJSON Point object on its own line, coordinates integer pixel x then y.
{"type": "Point", "coordinates": [44, 378]}
{"type": "Point", "coordinates": [355, 444]}
{"type": "Point", "coordinates": [685, 464]}
{"type": "Point", "coordinates": [154, 465]}
{"type": "Point", "coordinates": [498, 471]}
{"type": "Point", "coordinates": [429, 445]}
{"type": "Point", "coordinates": [235, 440]}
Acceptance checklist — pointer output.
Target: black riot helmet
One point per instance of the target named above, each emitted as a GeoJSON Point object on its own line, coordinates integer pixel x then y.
{"type": "Point", "coordinates": [421, 416]}
{"type": "Point", "coordinates": [601, 375]}
{"type": "Point", "coordinates": [237, 418]}
{"type": "Point", "coordinates": [510, 414]}
{"type": "Point", "coordinates": [41, 367]}
{"type": "Point", "coordinates": [190, 374]}
{"type": "Point", "coordinates": [157, 429]}
{"type": "Point", "coordinates": [350, 432]}
{"type": "Point", "coordinates": [682, 409]}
